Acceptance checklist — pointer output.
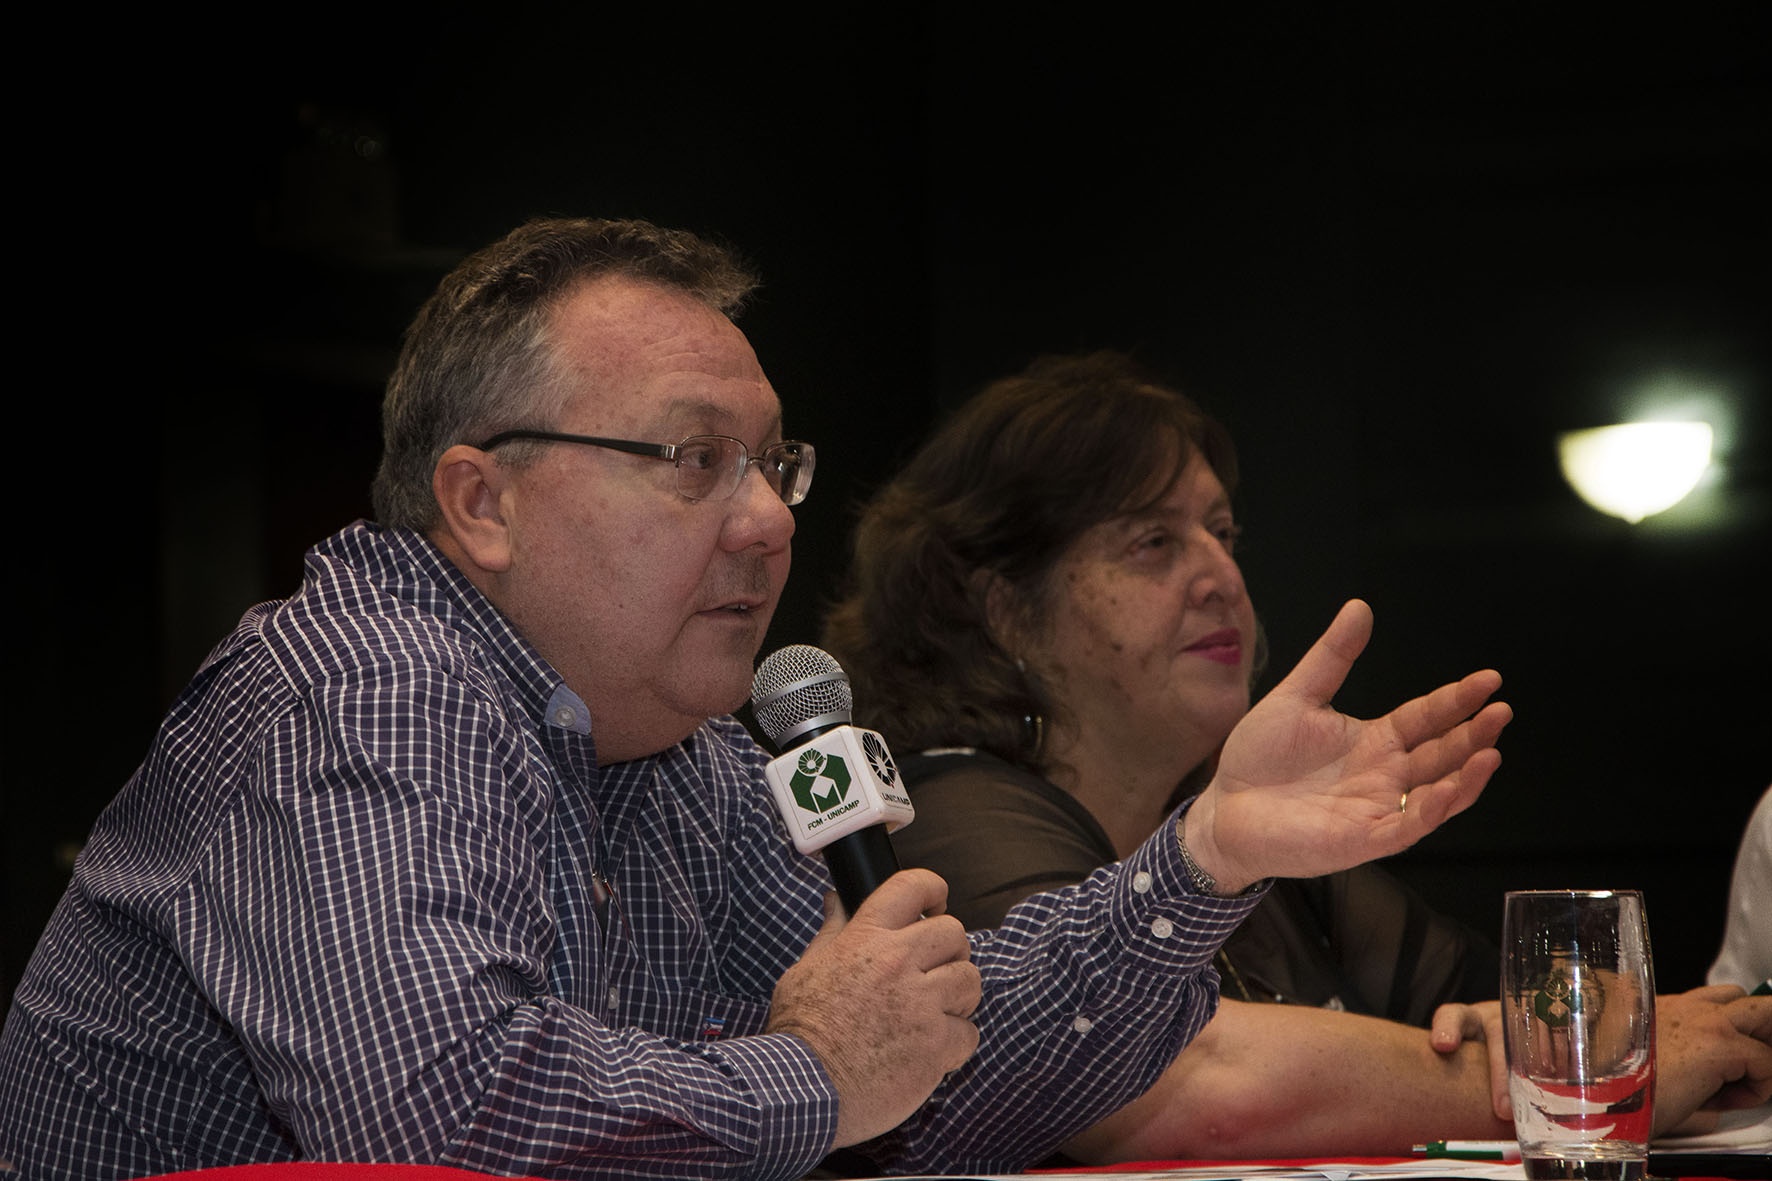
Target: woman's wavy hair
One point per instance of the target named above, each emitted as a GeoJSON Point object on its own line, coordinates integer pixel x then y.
{"type": "Point", "coordinates": [997, 496]}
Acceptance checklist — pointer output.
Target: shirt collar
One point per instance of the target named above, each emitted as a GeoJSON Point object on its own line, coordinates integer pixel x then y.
{"type": "Point", "coordinates": [406, 564]}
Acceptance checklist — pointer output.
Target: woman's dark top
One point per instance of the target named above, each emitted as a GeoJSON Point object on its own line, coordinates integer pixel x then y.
{"type": "Point", "coordinates": [1359, 940]}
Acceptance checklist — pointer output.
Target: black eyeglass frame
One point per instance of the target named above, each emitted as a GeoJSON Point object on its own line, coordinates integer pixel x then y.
{"type": "Point", "coordinates": [804, 455]}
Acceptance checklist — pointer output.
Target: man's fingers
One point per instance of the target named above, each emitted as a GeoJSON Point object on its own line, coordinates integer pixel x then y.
{"type": "Point", "coordinates": [938, 940]}
{"type": "Point", "coordinates": [1737, 1097]}
{"type": "Point", "coordinates": [1751, 1015]}
{"type": "Point", "coordinates": [904, 898]}
{"type": "Point", "coordinates": [1752, 1018]}
{"type": "Point", "coordinates": [834, 920]}
{"type": "Point", "coordinates": [1716, 993]}
{"type": "Point", "coordinates": [963, 1041]}
{"type": "Point", "coordinates": [960, 987]}
{"type": "Point", "coordinates": [1320, 673]}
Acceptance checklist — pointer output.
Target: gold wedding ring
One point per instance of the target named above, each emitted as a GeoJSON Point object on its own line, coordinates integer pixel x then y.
{"type": "Point", "coordinates": [1403, 803]}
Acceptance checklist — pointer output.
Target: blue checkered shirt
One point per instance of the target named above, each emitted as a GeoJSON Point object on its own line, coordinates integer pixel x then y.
{"type": "Point", "coordinates": [370, 898]}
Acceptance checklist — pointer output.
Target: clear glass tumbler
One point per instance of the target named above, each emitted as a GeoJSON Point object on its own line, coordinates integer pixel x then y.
{"type": "Point", "coordinates": [1578, 1012]}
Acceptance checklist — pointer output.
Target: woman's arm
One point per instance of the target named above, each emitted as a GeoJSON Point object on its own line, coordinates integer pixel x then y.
{"type": "Point", "coordinates": [1288, 1081]}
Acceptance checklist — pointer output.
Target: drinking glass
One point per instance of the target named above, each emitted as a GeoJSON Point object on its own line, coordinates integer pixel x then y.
{"type": "Point", "coordinates": [1578, 1013]}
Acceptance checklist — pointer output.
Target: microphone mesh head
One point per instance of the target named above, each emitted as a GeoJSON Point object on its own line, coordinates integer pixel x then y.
{"type": "Point", "coordinates": [794, 686]}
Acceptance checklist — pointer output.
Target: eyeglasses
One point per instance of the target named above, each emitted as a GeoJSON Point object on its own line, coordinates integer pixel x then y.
{"type": "Point", "coordinates": [709, 467]}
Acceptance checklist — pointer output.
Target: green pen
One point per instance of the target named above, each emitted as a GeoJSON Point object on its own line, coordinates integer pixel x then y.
{"type": "Point", "coordinates": [1503, 1150]}
{"type": "Point", "coordinates": [1764, 988]}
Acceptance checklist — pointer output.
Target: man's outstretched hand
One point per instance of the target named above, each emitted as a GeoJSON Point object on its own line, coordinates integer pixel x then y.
{"type": "Point", "coordinates": [1303, 790]}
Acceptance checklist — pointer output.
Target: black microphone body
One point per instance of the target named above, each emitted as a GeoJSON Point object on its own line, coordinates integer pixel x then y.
{"type": "Point", "coordinates": [835, 783]}
{"type": "Point", "coordinates": [859, 862]}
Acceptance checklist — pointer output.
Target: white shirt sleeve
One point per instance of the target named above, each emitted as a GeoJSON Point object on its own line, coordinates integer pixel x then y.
{"type": "Point", "coordinates": [1746, 955]}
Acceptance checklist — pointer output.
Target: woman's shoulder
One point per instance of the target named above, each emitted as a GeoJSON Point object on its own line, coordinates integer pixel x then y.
{"type": "Point", "coordinates": [970, 765]}
{"type": "Point", "coordinates": [995, 831]}
{"type": "Point", "coordinates": [967, 779]}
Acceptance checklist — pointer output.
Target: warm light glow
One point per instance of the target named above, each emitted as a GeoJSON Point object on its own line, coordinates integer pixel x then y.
{"type": "Point", "coordinates": [1636, 469]}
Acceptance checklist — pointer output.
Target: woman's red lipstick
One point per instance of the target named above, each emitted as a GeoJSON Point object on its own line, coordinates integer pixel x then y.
{"type": "Point", "coordinates": [1224, 646]}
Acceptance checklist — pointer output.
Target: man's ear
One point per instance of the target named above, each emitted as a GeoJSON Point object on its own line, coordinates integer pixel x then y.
{"type": "Point", "coordinates": [469, 485]}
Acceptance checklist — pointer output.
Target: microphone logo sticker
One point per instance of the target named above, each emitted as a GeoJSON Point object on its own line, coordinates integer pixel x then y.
{"type": "Point", "coordinates": [821, 781]}
{"type": "Point", "coordinates": [879, 758]}
{"type": "Point", "coordinates": [839, 782]}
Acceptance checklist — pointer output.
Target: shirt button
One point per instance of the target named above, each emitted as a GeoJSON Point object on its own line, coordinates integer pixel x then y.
{"type": "Point", "coordinates": [614, 998]}
{"type": "Point", "coordinates": [1162, 928]}
{"type": "Point", "coordinates": [1082, 1025]}
{"type": "Point", "coordinates": [1141, 883]}
{"type": "Point", "coordinates": [564, 717]}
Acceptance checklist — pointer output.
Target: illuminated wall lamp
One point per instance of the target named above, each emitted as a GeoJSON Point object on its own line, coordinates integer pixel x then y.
{"type": "Point", "coordinates": [1636, 469]}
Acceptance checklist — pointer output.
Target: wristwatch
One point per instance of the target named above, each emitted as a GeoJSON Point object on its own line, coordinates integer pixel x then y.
{"type": "Point", "coordinates": [1204, 882]}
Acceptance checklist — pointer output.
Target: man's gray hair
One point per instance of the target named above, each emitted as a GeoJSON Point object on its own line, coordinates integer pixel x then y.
{"type": "Point", "coordinates": [476, 359]}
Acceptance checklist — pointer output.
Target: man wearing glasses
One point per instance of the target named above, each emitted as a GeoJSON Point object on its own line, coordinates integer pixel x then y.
{"type": "Point", "coordinates": [457, 856]}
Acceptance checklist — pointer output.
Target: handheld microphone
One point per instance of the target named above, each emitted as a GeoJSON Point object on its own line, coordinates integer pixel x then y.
{"type": "Point", "coordinates": [835, 783]}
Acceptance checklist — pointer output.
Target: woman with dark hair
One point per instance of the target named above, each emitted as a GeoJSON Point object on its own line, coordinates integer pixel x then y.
{"type": "Point", "coordinates": [1046, 619]}
{"type": "Point", "coordinates": [1047, 599]}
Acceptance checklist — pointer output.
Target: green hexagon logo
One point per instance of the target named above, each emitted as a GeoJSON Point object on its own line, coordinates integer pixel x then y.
{"type": "Point", "coordinates": [820, 781]}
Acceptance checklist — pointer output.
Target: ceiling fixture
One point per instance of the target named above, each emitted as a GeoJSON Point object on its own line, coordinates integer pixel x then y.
{"type": "Point", "coordinates": [1635, 469]}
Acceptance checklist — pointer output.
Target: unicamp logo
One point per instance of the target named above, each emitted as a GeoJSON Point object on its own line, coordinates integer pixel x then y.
{"type": "Point", "coordinates": [879, 758]}
{"type": "Point", "coordinates": [820, 782]}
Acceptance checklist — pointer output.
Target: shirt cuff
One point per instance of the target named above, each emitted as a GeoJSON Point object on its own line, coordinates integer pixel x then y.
{"type": "Point", "coordinates": [1163, 915]}
{"type": "Point", "coordinates": [796, 1100]}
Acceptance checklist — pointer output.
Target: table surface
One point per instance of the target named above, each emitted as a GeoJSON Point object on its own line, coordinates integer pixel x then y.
{"type": "Point", "coordinates": [1313, 1169]}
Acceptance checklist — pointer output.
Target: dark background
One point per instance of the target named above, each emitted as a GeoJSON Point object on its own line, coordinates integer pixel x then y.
{"type": "Point", "coordinates": [1395, 250]}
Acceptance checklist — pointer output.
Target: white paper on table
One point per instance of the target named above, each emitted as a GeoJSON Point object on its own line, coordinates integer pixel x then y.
{"type": "Point", "coordinates": [1327, 1171]}
{"type": "Point", "coordinates": [1427, 1169]}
